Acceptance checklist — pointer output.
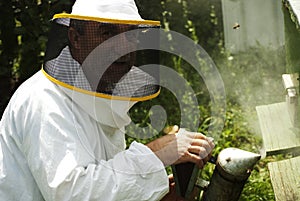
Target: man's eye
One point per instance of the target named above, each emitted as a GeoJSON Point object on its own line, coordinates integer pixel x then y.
{"type": "Point", "coordinates": [132, 36]}
{"type": "Point", "coordinates": [106, 33]}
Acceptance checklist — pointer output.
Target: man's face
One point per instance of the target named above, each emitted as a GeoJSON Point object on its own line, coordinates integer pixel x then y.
{"type": "Point", "coordinates": [95, 34]}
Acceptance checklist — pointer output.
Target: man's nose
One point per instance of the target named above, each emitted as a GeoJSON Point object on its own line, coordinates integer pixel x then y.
{"type": "Point", "coordinates": [123, 45]}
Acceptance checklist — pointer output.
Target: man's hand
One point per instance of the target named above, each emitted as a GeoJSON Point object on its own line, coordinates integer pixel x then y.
{"type": "Point", "coordinates": [182, 147]}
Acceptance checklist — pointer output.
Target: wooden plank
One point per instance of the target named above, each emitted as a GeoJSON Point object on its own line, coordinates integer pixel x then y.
{"type": "Point", "coordinates": [285, 178]}
{"type": "Point", "coordinates": [279, 135]}
{"type": "Point", "coordinates": [294, 8]}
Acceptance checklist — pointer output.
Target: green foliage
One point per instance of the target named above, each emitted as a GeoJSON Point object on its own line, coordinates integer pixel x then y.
{"type": "Point", "coordinates": [30, 20]}
{"type": "Point", "coordinates": [23, 35]}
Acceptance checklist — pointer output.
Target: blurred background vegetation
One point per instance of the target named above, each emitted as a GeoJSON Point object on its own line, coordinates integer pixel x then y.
{"type": "Point", "coordinates": [24, 27]}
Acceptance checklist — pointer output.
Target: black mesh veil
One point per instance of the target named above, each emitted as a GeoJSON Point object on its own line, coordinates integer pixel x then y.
{"type": "Point", "coordinates": [109, 59]}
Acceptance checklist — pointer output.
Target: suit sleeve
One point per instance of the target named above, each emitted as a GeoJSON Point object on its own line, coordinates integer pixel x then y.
{"type": "Point", "coordinates": [64, 168]}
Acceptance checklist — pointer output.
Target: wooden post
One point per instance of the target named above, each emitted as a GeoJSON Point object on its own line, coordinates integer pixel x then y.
{"type": "Point", "coordinates": [186, 175]}
{"type": "Point", "coordinates": [291, 11]}
{"type": "Point", "coordinates": [292, 40]}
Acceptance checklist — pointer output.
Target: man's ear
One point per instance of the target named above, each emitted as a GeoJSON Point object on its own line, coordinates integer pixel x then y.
{"type": "Point", "coordinates": [74, 38]}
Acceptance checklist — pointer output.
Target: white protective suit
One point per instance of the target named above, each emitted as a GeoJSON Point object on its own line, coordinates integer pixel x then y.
{"type": "Point", "coordinates": [52, 149]}
{"type": "Point", "coordinates": [59, 144]}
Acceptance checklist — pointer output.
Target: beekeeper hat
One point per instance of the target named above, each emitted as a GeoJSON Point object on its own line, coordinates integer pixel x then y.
{"type": "Point", "coordinates": [110, 11]}
{"type": "Point", "coordinates": [90, 76]}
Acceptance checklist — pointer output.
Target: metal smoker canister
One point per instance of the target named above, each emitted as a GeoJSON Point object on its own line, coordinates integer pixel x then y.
{"type": "Point", "coordinates": [233, 167]}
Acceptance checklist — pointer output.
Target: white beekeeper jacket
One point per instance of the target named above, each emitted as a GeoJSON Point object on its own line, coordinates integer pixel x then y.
{"type": "Point", "coordinates": [52, 149]}
{"type": "Point", "coordinates": [60, 144]}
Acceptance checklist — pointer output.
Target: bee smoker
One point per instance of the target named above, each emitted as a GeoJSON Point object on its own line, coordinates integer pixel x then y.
{"type": "Point", "coordinates": [233, 167]}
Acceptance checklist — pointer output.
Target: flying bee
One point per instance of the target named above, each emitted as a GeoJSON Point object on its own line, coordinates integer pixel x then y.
{"type": "Point", "coordinates": [236, 26]}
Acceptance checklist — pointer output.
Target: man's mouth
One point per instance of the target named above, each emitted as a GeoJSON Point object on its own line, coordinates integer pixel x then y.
{"type": "Point", "coordinates": [118, 69]}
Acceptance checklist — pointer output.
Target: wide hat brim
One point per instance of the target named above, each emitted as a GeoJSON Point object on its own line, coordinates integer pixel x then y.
{"type": "Point", "coordinates": [67, 17]}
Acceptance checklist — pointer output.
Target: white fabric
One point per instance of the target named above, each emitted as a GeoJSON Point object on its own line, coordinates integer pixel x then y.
{"type": "Point", "coordinates": [115, 110]}
{"type": "Point", "coordinates": [112, 9]}
{"type": "Point", "coordinates": [51, 149]}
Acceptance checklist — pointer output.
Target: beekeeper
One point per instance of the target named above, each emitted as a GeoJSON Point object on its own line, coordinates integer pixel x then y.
{"type": "Point", "coordinates": [62, 134]}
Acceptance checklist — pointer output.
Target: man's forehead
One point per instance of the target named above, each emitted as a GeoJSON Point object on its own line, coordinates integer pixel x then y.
{"type": "Point", "coordinates": [111, 25]}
